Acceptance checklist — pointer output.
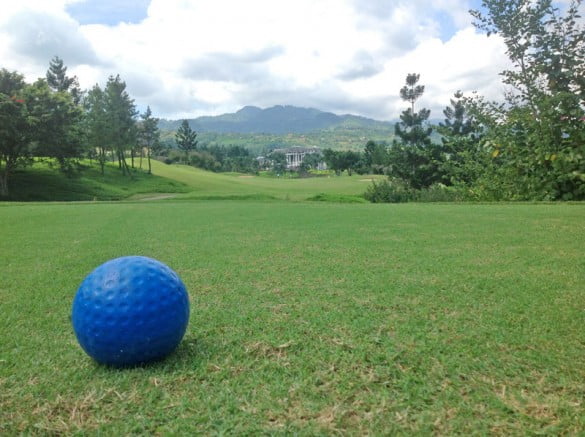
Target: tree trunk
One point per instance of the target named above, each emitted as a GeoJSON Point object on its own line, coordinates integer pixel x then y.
{"type": "Point", "coordinates": [148, 155]}
{"type": "Point", "coordinates": [4, 183]}
{"type": "Point", "coordinates": [125, 168]}
{"type": "Point", "coordinates": [120, 166]}
{"type": "Point", "coordinates": [102, 159]}
{"type": "Point", "coordinates": [132, 157]}
{"type": "Point", "coordinates": [141, 155]}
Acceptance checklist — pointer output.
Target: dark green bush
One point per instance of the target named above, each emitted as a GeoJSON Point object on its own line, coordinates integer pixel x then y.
{"type": "Point", "coordinates": [389, 191]}
{"type": "Point", "coordinates": [397, 191]}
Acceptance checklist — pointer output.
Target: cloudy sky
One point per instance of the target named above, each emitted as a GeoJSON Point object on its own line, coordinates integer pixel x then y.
{"type": "Point", "coordinates": [187, 58]}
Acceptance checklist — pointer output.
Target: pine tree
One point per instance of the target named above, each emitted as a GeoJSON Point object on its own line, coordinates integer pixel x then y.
{"type": "Point", "coordinates": [413, 156]}
{"type": "Point", "coordinates": [186, 139]}
{"type": "Point", "coordinates": [149, 134]}
{"type": "Point", "coordinates": [59, 81]}
{"type": "Point", "coordinates": [461, 155]}
{"type": "Point", "coordinates": [96, 124]}
{"type": "Point", "coordinates": [120, 115]}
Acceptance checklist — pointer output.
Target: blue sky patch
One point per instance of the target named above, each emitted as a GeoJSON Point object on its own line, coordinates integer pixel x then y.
{"type": "Point", "coordinates": [109, 12]}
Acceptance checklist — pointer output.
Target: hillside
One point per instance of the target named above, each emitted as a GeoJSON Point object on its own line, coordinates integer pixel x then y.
{"type": "Point", "coordinates": [277, 120]}
{"type": "Point", "coordinates": [283, 126]}
{"type": "Point", "coordinates": [43, 182]}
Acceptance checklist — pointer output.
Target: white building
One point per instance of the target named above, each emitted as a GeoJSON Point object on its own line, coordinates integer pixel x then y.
{"type": "Point", "coordinates": [296, 155]}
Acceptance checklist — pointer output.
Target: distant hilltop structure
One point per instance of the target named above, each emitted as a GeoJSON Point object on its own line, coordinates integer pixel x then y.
{"type": "Point", "coordinates": [296, 155]}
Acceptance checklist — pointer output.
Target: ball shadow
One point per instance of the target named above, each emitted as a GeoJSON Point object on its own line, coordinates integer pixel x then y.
{"type": "Point", "coordinates": [190, 353]}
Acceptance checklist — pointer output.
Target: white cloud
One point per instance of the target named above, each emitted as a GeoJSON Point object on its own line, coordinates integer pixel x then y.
{"type": "Point", "coordinates": [193, 58]}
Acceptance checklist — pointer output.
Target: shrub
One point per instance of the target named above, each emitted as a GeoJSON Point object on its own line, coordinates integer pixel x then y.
{"type": "Point", "coordinates": [337, 198]}
{"type": "Point", "coordinates": [397, 191]}
{"type": "Point", "coordinates": [389, 191]}
{"type": "Point", "coordinates": [441, 193]}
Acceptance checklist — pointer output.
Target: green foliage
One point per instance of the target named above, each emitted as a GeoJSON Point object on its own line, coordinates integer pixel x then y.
{"type": "Point", "coordinates": [413, 157]}
{"type": "Point", "coordinates": [310, 162]}
{"type": "Point", "coordinates": [343, 160]}
{"type": "Point", "coordinates": [120, 113]}
{"type": "Point", "coordinates": [278, 163]}
{"type": "Point", "coordinates": [96, 124]}
{"type": "Point", "coordinates": [463, 159]}
{"type": "Point", "coordinates": [58, 80]}
{"type": "Point", "coordinates": [42, 182]}
{"type": "Point", "coordinates": [110, 122]}
{"type": "Point", "coordinates": [186, 139]}
{"type": "Point", "coordinates": [148, 135]}
{"type": "Point", "coordinates": [16, 126]}
{"type": "Point", "coordinates": [397, 191]}
{"type": "Point", "coordinates": [389, 191]}
{"type": "Point", "coordinates": [224, 159]}
{"type": "Point", "coordinates": [58, 127]}
{"type": "Point", "coordinates": [344, 137]}
{"type": "Point", "coordinates": [337, 198]}
{"type": "Point", "coordinates": [538, 138]}
{"type": "Point", "coordinates": [376, 157]}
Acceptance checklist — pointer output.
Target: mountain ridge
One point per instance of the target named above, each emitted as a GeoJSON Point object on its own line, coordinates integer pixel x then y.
{"type": "Point", "coordinates": [278, 119]}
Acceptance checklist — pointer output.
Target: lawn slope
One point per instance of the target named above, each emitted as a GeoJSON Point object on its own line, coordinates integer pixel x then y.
{"type": "Point", "coordinates": [44, 183]}
{"type": "Point", "coordinates": [208, 185]}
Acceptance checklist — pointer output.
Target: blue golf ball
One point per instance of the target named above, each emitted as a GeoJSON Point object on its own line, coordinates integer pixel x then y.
{"type": "Point", "coordinates": [130, 310]}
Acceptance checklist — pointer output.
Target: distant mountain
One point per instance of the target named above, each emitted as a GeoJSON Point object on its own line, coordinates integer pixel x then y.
{"type": "Point", "coordinates": [276, 120]}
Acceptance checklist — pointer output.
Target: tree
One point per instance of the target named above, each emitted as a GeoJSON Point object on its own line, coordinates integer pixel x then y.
{"type": "Point", "coordinates": [186, 139]}
{"type": "Point", "coordinates": [350, 161]}
{"type": "Point", "coordinates": [278, 162]}
{"type": "Point", "coordinates": [376, 157]}
{"type": "Point", "coordinates": [120, 115]}
{"type": "Point", "coordinates": [413, 158]}
{"type": "Point", "coordinates": [538, 136]}
{"type": "Point", "coordinates": [148, 134]}
{"type": "Point", "coordinates": [59, 81]}
{"type": "Point", "coordinates": [96, 124]}
{"type": "Point", "coordinates": [57, 132]}
{"type": "Point", "coordinates": [311, 161]}
{"type": "Point", "coordinates": [462, 157]}
{"type": "Point", "coordinates": [334, 160]}
{"type": "Point", "coordinates": [15, 126]}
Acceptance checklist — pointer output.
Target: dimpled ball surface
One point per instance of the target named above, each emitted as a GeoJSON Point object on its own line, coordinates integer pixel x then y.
{"type": "Point", "coordinates": [129, 311]}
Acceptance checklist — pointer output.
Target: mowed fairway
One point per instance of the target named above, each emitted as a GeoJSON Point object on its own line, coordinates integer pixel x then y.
{"type": "Point", "coordinates": [308, 318]}
{"type": "Point", "coordinates": [208, 185]}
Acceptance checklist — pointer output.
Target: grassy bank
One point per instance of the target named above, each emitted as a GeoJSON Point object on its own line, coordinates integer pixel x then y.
{"type": "Point", "coordinates": [44, 183]}
{"type": "Point", "coordinates": [307, 318]}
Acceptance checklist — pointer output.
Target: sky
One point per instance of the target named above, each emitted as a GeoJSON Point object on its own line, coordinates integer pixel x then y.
{"type": "Point", "coordinates": [186, 58]}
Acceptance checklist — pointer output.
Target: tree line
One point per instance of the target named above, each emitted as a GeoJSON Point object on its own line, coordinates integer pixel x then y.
{"type": "Point", "coordinates": [53, 118]}
{"type": "Point", "coordinates": [211, 157]}
{"type": "Point", "coordinates": [531, 146]}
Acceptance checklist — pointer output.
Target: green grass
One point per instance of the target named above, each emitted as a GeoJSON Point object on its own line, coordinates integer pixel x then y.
{"type": "Point", "coordinates": [43, 183]}
{"type": "Point", "coordinates": [307, 317]}
{"type": "Point", "coordinates": [206, 184]}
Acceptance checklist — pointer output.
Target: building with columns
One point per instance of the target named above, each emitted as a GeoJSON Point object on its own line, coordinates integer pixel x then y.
{"type": "Point", "coordinates": [296, 155]}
